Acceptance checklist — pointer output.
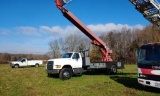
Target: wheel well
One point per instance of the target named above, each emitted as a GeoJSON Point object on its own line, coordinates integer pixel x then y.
{"type": "Point", "coordinates": [111, 65]}
{"type": "Point", "coordinates": [17, 64]}
{"type": "Point", "coordinates": [67, 66]}
{"type": "Point", "coordinates": [114, 65]}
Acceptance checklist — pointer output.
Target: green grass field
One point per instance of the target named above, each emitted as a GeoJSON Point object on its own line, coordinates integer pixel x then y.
{"type": "Point", "coordinates": [32, 81]}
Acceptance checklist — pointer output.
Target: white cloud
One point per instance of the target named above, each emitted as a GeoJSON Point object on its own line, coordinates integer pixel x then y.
{"type": "Point", "coordinates": [57, 30]}
{"type": "Point", "coordinates": [97, 29]}
{"type": "Point", "coordinates": [26, 30]}
{"type": "Point", "coordinates": [104, 28]}
{"type": "Point", "coordinates": [63, 31]}
{"type": "Point", "coordinates": [4, 32]}
{"type": "Point", "coordinates": [53, 30]}
{"type": "Point", "coordinates": [138, 26]}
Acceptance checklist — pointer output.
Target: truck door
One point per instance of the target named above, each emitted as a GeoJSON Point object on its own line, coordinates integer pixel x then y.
{"type": "Point", "coordinates": [77, 61]}
{"type": "Point", "coordinates": [23, 62]}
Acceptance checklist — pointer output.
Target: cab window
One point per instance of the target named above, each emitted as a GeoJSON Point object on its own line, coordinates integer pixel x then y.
{"type": "Point", "coordinates": [75, 56]}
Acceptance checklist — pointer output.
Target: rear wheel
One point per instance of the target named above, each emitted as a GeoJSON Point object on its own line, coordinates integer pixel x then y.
{"type": "Point", "coordinates": [65, 74]}
{"type": "Point", "coordinates": [37, 65]}
{"type": "Point", "coordinates": [113, 69]}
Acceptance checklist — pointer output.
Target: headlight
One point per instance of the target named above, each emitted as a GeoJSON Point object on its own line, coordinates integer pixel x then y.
{"type": "Point", "coordinates": [58, 66]}
{"type": "Point", "coordinates": [141, 75]}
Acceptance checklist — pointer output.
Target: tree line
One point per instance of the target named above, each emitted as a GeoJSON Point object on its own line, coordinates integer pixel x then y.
{"type": "Point", "coordinates": [123, 43]}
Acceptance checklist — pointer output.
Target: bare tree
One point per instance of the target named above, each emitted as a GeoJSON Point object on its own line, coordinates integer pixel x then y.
{"type": "Point", "coordinates": [55, 49]}
{"type": "Point", "coordinates": [71, 43]}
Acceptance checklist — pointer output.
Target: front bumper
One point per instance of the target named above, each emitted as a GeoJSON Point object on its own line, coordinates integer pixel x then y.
{"type": "Point", "coordinates": [54, 71]}
{"type": "Point", "coordinates": [150, 83]}
{"type": "Point", "coordinates": [11, 64]}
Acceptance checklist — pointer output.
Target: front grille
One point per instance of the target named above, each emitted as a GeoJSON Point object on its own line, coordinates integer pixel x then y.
{"type": "Point", "coordinates": [50, 65]}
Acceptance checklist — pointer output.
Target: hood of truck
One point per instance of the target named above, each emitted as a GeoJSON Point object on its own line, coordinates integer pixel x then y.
{"type": "Point", "coordinates": [61, 60]}
{"type": "Point", "coordinates": [15, 62]}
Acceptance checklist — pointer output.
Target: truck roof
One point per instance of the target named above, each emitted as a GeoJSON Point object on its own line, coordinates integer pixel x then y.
{"type": "Point", "coordinates": [63, 53]}
{"type": "Point", "coordinates": [151, 44]}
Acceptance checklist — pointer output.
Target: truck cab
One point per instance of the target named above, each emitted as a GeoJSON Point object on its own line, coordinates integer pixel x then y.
{"type": "Point", "coordinates": [149, 65]}
{"type": "Point", "coordinates": [70, 63]}
{"type": "Point", "coordinates": [21, 62]}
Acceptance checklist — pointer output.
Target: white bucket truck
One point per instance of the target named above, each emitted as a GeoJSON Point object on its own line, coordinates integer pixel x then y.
{"type": "Point", "coordinates": [76, 63]}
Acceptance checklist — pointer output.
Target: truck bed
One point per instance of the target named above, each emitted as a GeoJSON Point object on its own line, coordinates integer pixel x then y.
{"type": "Point", "coordinates": [33, 62]}
{"type": "Point", "coordinates": [102, 65]}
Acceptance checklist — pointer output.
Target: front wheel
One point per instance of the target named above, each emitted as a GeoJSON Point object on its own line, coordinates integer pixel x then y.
{"type": "Point", "coordinates": [16, 66]}
{"type": "Point", "coordinates": [65, 74]}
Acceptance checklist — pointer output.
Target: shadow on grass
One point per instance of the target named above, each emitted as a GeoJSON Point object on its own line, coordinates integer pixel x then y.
{"type": "Point", "coordinates": [27, 67]}
{"type": "Point", "coordinates": [104, 72]}
{"type": "Point", "coordinates": [53, 76]}
{"type": "Point", "coordinates": [131, 82]}
{"type": "Point", "coordinates": [127, 79]}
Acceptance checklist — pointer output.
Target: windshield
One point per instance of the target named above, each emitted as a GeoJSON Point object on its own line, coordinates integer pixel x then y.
{"type": "Point", "coordinates": [20, 59]}
{"type": "Point", "coordinates": [67, 55]}
{"type": "Point", "coordinates": [149, 54]}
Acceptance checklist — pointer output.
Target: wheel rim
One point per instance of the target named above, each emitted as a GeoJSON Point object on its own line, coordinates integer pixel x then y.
{"type": "Point", "coordinates": [66, 75]}
{"type": "Point", "coordinates": [16, 66]}
{"type": "Point", "coordinates": [114, 69]}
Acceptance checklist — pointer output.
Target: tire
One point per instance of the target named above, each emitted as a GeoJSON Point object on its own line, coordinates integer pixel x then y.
{"type": "Point", "coordinates": [65, 74]}
{"type": "Point", "coordinates": [37, 65]}
{"type": "Point", "coordinates": [113, 69]}
{"type": "Point", "coordinates": [16, 66]}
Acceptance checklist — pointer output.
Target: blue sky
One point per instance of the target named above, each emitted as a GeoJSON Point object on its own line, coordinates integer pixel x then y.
{"type": "Point", "coordinates": [27, 26]}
